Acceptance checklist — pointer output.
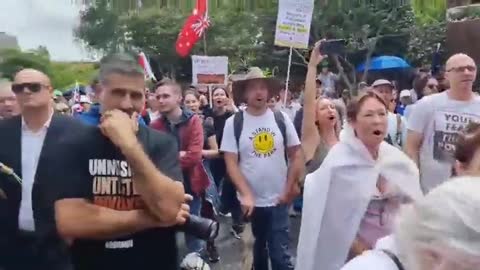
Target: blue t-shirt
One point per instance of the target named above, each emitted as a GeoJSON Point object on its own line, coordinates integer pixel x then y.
{"type": "Point", "coordinates": [92, 117]}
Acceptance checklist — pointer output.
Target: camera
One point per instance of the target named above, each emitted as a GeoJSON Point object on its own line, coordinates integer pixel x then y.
{"type": "Point", "coordinates": [202, 228]}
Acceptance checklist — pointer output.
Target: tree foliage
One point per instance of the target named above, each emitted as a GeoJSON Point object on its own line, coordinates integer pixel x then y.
{"type": "Point", "coordinates": [244, 31]}
{"type": "Point", "coordinates": [13, 60]}
{"type": "Point", "coordinates": [62, 75]}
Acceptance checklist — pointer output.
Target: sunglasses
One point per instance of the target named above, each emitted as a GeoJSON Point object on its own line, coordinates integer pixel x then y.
{"type": "Point", "coordinates": [32, 87]}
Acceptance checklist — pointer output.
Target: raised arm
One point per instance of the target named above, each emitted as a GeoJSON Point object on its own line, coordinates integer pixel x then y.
{"type": "Point", "coordinates": [310, 136]}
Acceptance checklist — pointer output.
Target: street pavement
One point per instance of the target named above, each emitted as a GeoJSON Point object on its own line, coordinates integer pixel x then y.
{"type": "Point", "coordinates": [230, 248]}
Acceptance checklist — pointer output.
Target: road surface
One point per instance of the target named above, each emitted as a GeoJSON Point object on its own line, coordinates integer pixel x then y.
{"type": "Point", "coordinates": [230, 248]}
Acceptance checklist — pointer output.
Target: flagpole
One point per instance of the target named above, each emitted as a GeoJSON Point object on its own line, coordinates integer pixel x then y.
{"type": "Point", "coordinates": [288, 76]}
{"type": "Point", "coordinates": [205, 33]}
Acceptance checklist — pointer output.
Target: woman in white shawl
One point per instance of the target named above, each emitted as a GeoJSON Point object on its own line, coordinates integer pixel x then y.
{"type": "Point", "coordinates": [350, 199]}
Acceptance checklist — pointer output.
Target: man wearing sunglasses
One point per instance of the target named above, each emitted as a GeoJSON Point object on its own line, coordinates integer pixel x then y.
{"type": "Point", "coordinates": [28, 145]}
{"type": "Point", "coordinates": [436, 120]}
{"type": "Point", "coordinates": [8, 101]}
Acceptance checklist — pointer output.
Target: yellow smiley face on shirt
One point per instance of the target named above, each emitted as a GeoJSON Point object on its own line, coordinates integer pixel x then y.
{"type": "Point", "coordinates": [263, 143]}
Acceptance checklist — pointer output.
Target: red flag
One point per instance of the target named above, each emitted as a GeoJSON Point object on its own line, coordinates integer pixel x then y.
{"type": "Point", "coordinates": [147, 69]}
{"type": "Point", "coordinates": [193, 29]}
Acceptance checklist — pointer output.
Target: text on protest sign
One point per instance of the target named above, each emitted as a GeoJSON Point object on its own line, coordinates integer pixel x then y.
{"type": "Point", "coordinates": [293, 23]}
{"type": "Point", "coordinates": [209, 70]}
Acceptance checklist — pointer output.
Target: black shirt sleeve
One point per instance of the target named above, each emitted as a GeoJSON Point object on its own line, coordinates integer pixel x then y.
{"type": "Point", "coordinates": [164, 154]}
{"type": "Point", "coordinates": [209, 131]}
{"type": "Point", "coordinates": [70, 171]}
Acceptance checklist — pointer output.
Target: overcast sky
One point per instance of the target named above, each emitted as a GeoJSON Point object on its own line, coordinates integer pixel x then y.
{"type": "Point", "coordinates": [43, 22]}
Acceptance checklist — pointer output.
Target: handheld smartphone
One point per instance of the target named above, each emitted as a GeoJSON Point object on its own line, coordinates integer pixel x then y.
{"type": "Point", "coordinates": [333, 46]}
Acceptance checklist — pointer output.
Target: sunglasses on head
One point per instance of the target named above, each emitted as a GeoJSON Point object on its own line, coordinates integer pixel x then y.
{"type": "Point", "coordinates": [32, 87]}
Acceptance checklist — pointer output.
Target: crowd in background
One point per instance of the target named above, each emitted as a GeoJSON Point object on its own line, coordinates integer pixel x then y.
{"type": "Point", "coordinates": [268, 144]}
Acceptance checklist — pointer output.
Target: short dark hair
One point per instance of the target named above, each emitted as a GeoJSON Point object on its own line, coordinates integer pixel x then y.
{"type": "Point", "coordinates": [118, 63]}
{"type": "Point", "coordinates": [171, 83]}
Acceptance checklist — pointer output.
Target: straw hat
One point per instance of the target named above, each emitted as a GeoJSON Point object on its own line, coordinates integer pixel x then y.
{"type": "Point", "coordinates": [254, 73]}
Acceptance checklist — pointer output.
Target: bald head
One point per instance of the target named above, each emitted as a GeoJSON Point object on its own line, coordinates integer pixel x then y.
{"type": "Point", "coordinates": [33, 90]}
{"type": "Point", "coordinates": [29, 75]}
{"type": "Point", "coordinates": [458, 60]}
{"type": "Point", "coordinates": [461, 73]}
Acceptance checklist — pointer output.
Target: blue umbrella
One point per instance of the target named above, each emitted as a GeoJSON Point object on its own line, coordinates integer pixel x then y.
{"type": "Point", "coordinates": [384, 62]}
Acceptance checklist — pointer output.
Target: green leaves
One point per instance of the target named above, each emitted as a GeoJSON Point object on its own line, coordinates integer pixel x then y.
{"type": "Point", "coordinates": [62, 75]}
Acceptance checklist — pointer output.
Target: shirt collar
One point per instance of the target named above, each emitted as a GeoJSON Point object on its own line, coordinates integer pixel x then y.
{"type": "Point", "coordinates": [46, 125]}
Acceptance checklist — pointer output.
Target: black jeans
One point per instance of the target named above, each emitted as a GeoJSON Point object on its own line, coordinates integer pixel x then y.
{"type": "Point", "coordinates": [229, 202]}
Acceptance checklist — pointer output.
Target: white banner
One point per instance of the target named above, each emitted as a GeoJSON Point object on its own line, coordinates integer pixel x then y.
{"type": "Point", "coordinates": [293, 23]}
{"type": "Point", "coordinates": [209, 70]}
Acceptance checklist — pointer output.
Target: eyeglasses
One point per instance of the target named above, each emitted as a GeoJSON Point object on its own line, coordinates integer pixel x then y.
{"type": "Point", "coordinates": [432, 86]}
{"type": "Point", "coordinates": [32, 87]}
{"type": "Point", "coordinates": [462, 69]}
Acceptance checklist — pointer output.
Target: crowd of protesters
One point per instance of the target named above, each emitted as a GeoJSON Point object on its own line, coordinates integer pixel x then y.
{"type": "Point", "coordinates": [94, 180]}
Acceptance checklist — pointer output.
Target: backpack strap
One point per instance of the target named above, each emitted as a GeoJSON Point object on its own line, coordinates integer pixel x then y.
{"type": "Point", "coordinates": [237, 128]}
{"type": "Point", "coordinates": [394, 259]}
{"type": "Point", "coordinates": [280, 120]}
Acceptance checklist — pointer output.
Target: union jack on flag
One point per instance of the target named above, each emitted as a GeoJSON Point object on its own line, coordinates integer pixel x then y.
{"type": "Point", "coordinates": [202, 23]}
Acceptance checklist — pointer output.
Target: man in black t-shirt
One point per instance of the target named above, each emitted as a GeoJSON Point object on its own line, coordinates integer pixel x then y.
{"type": "Point", "coordinates": [116, 201]}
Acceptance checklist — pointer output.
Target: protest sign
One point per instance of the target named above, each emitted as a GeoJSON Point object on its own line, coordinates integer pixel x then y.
{"type": "Point", "coordinates": [209, 70]}
{"type": "Point", "coordinates": [293, 23]}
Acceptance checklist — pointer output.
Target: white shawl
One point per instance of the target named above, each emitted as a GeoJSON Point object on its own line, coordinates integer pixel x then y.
{"type": "Point", "coordinates": [337, 194]}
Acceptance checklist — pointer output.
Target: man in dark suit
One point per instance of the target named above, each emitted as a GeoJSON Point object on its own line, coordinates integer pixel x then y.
{"type": "Point", "coordinates": [27, 144]}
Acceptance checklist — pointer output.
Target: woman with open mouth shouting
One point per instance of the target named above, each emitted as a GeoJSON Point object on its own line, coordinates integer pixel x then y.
{"type": "Point", "coordinates": [350, 200]}
{"type": "Point", "coordinates": [321, 125]}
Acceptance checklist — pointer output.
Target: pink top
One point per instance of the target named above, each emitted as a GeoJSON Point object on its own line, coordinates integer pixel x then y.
{"type": "Point", "coordinates": [378, 219]}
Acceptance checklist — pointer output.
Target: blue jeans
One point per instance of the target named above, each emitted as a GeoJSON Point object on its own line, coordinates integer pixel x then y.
{"type": "Point", "coordinates": [270, 227]}
{"type": "Point", "coordinates": [211, 193]}
{"type": "Point", "coordinates": [194, 244]}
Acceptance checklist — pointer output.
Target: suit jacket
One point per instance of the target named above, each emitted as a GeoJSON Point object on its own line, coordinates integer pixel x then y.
{"type": "Point", "coordinates": [42, 201]}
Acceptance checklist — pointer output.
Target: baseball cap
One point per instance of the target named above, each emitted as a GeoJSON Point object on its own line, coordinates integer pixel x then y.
{"type": "Point", "coordinates": [405, 93]}
{"type": "Point", "coordinates": [85, 99]}
{"type": "Point", "coordinates": [381, 82]}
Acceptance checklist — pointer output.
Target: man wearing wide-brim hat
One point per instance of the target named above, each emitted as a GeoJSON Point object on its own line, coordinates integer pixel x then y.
{"type": "Point", "coordinates": [255, 74]}
{"type": "Point", "coordinates": [255, 144]}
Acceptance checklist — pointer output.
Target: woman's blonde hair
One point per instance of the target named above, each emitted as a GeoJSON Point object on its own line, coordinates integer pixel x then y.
{"type": "Point", "coordinates": [338, 125]}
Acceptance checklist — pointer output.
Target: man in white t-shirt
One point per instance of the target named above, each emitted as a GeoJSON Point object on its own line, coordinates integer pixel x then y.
{"type": "Point", "coordinates": [436, 120]}
{"type": "Point", "coordinates": [255, 155]}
